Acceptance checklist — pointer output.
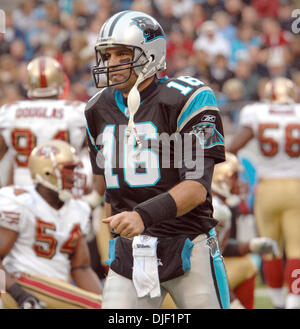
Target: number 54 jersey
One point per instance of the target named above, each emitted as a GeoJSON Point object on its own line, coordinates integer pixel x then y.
{"type": "Point", "coordinates": [25, 124]}
{"type": "Point", "coordinates": [46, 237]}
{"type": "Point", "coordinates": [277, 131]}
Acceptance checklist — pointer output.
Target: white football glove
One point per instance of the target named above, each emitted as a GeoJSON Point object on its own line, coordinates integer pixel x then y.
{"type": "Point", "coordinates": [264, 246]}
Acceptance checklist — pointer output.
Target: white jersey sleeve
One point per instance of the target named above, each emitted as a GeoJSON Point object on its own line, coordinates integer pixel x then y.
{"type": "Point", "coordinates": [7, 123]}
{"type": "Point", "coordinates": [248, 116]}
{"type": "Point", "coordinates": [76, 123]}
{"type": "Point", "coordinates": [12, 215]}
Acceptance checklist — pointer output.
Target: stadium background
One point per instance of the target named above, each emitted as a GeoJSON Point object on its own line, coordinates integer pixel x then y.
{"type": "Point", "coordinates": [233, 45]}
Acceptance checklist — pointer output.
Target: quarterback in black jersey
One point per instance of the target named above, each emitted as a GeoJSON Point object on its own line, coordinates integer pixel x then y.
{"type": "Point", "coordinates": [156, 142]}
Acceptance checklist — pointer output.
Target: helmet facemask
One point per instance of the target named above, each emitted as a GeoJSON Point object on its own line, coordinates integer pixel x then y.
{"type": "Point", "coordinates": [102, 71]}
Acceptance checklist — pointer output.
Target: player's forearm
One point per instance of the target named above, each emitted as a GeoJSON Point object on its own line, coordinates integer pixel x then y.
{"type": "Point", "coordinates": [87, 279]}
{"type": "Point", "coordinates": [187, 196]}
{"type": "Point", "coordinates": [3, 147]}
{"type": "Point", "coordinates": [243, 136]}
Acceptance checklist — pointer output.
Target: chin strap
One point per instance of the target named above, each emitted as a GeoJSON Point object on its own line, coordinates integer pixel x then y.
{"type": "Point", "coordinates": [134, 100]}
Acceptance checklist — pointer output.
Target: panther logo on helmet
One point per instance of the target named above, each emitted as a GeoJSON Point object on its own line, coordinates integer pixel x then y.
{"type": "Point", "coordinates": [150, 30]}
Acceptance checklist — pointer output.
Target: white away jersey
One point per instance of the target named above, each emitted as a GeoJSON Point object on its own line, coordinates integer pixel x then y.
{"type": "Point", "coordinates": [28, 123]}
{"type": "Point", "coordinates": [47, 237]}
{"type": "Point", "coordinates": [277, 131]}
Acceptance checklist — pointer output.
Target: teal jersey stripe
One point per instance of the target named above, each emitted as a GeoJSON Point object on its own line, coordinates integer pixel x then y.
{"type": "Point", "coordinates": [111, 251]}
{"type": "Point", "coordinates": [202, 99]}
{"type": "Point", "coordinates": [120, 102]}
{"type": "Point", "coordinates": [221, 275]}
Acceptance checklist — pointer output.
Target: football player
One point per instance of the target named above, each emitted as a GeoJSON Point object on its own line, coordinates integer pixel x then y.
{"type": "Point", "coordinates": [42, 233]}
{"type": "Point", "coordinates": [275, 125]}
{"type": "Point", "coordinates": [240, 268]}
{"type": "Point", "coordinates": [42, 117]}
{"type": "Point", "coordinates": [160, 205]}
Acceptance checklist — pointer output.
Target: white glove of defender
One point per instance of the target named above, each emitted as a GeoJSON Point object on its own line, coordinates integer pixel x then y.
{"type": "Point", "coordinates": [264, 246]}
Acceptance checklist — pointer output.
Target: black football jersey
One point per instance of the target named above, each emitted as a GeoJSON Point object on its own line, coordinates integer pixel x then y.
{"type": "Point", "coordinates": [180, 129]}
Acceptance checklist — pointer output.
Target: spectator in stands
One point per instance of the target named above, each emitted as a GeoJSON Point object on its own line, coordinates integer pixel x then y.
{"type": "Point", "coordinates": [199, 15]}
{"type": "Point", "coordinates": [284, 14]}
{"type": "Point", "coordinates": [294, 48]}
{"type": "Point", "coordinates": [250, 16]}
{"type": "Point", "coordinates": [245, 40]}
{"type": "Point", "coordinates": [219, 71]}
{"type": "Point", "coordinates": [211, 42]}
{"type": "Point", "coordinates": [234, 9]}
{"type": "Point", "coordinates": [265, 8]}
{"type": "Point", "coordinates": [177, 42]}
{"type": "Point", "coordinates": [164, 14]}
{"type": "Point", "coordinates": [182, 7]}
{"type": "Point", "coordinates": [226, 28]}
{"type": "Point", "coordinates": [234, 90]}
{"type": "Point", "coordinates": [212, 6]}
{"type": "Point", "coordinates": [245, 74]}
{"type": "Point", "coordinates": [273, 35]}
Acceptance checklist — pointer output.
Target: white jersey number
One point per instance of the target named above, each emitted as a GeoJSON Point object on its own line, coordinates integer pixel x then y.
{"type": "Point", "coordinates": [147, 158]}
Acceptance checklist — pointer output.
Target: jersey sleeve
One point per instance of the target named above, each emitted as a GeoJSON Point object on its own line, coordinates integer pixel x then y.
{"type": "Point", "coordinates": [11, 214]}
{"type": "Point", "coordinates": [200, 126]}
{"type": "Point", "coordinates": [201, 118]}
{"type": "Point", "coordinates": [6, 123]}
{"type": "Point", "coordinates": [96, 156]}
{"type": "Point", "coordinates": [247, 117]}
{"type": "Point", "coordinates": [77, 126]}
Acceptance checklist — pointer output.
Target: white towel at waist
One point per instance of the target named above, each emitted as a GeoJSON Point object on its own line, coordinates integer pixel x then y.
{"type": "Point", "coordinates": [145, 267]}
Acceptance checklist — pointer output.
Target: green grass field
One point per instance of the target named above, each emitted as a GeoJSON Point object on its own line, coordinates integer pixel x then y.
{"type": "Point", "coordinates": [262, 299]}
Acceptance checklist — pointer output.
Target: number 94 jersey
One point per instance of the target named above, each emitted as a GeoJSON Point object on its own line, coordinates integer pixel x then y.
{"type": "Point", "coordinates": [25, 124]}
{"type": "Point", "coordinates": [277, 131]}
{"type": "Point", "coordinates": [46, 237]}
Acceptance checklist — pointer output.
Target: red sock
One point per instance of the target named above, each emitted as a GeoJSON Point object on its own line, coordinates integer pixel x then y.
{"type": "Point", "coordinates": [274, 272]}
{"type": "Point", "coordinates": [245, 292]}
{"type": "Point", "coordinates": [292, 275]}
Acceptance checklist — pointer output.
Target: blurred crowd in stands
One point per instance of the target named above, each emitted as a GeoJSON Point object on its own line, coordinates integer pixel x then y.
{"type": "Point", "coordinates": [234, 45]}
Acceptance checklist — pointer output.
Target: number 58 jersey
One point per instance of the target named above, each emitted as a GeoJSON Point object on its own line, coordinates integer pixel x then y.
{"type": "Point", "coordinates": [46, 237]}
{"type": "Point", "coordinates": [277, 131]}
{"type": "Point", "coordinates": [26, 124]}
